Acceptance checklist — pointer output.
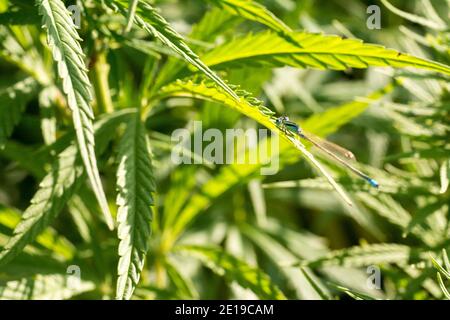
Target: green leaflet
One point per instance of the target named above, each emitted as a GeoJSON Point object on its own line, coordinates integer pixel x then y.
{"type": "Point", "coordinates": [20, 154]}
{"type": "Point", "coordinates": [354, 294]}
{"type": "Point", "coordinates": [315, 285]}
{"type": "Point", "coordinates": [443, 271]}
{"type": "Point", "coordinates": [47, 108]}
{"type": "Point", "coordinates": [149, 20]}
{"type": "Point", "coordinates": [67, 53]}
{"type": "Point", "coordinates": [328, 122]}
{"type": "Point", "coordinates": [304, 245]}
{"type": "Point", "coordinates": [386, 207]}
{"type": "Point", "coordinates": [22, 55]}
{"type": "Point", "coordinates": [185, 286]}
{"type": "Point", "coordinates": [229, 176]}
{"type": "Point", "coordinates": [432, 24]}
{"type": "Point", "coordinates": [12, 103]}
{"type": "Point", "coordinates": [305, 286]}
{"type": "Point", "coordinates": [49, 239]}
{"type": "Point", "coordinates": [364, 256]}
{"type": "Point", "coordinates": [251, 107]}
{"type": "Point", "coordinates": [44, 287]}
{"type": "Point", "coordinates": [317, 51]}
{"type": "Point", "coordinates": [443, 287]}
{"type": "Point", "coordinates": [234, 269]}
{"type": "Point", "coordinates": [136, 186]}
{"type": "Point", "coordinates": [423, 213]}
{"type": "Point", "coordinates": [254, 11]}
{"type": "Point", "coordinates": [212, 24]}
{"type": "Point", "coordinates": [55, 190]}
{"type": "Point", "coordinates": [131, 14]}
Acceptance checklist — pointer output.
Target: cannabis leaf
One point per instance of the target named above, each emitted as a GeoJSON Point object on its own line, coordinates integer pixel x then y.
{"type": "Point", "coordinates": [149, 20]}
{"type": "Point", "coordinates": [316, 51]}
{"type": "Point", "coordinates": [365, 255]}
{"type": "Point", "coordinates": [249, 106]}
{"type": "Point", "coordinates": [67, 53]}
{"type": "Point", "coordinates": [12, 103]}
{"type": "Point", "coordinates": [54, 191]}
{"type": "Point", "coordinates": [136, 186]}
{"type": "Point", "coordinates": [235, 270]}
{"type": "Point", "coordinates": [44, 287]}
{"type": "Point", "coordinates": [252, 10]}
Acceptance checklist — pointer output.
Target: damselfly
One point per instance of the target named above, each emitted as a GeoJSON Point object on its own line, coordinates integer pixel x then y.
{"type": "Point", "coordinates": [329, 148]}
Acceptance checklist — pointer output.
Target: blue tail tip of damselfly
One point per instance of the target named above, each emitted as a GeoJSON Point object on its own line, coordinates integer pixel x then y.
{"type": "Point", "coordinates": [373, 183]}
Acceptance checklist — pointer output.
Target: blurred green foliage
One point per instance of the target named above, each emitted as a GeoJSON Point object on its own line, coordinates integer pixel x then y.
{"type": "Point", "coordinates": [226, 231]}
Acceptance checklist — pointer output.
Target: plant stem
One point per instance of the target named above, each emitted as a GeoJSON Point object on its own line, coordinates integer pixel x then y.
{"type": "Point", "coordinates": [160, 273]}
{"type": "Point", "coordinates": [101, 85]}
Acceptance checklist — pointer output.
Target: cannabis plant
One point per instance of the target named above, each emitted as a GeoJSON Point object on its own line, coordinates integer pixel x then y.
{"type": "Point", "coordinates": [93, 205]}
